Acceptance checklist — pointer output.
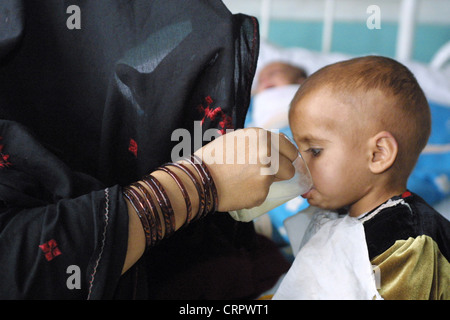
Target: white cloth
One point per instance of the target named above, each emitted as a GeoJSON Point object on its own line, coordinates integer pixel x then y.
{"type": "Point", "coordinates": [303, 225]}
{"type": "Point", "coordinates": [271, 107]}
{"type": "Point", "coordinates": [333, 265]}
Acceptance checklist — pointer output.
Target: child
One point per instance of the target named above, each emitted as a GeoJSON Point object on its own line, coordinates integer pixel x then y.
{"type": "Point", "coordinates": [276, 84]}
{"type": "Point", "coordinates": [276, 74]}
{"type": "Point", "coordinates": [361, 125]}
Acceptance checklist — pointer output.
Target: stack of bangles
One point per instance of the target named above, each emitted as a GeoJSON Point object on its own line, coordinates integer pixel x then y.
{"type": "Point", "coordinates": [147, 209]}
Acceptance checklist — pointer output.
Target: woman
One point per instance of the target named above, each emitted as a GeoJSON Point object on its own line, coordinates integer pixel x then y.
{"type": "Point", "coordinates": [86, 112]}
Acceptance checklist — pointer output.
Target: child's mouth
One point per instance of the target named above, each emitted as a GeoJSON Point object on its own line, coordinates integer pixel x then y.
{"type": "Point", "coordinates": [307, 194]}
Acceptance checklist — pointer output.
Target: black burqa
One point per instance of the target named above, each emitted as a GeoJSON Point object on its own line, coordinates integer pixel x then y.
{"type": "Point", "coordinates": [90, 95]}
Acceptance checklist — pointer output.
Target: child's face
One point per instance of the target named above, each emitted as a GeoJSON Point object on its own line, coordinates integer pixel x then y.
{"type": "Point", "coordinates": [324, 130]}
{"type": "Point", "coordinates": [273, 75]}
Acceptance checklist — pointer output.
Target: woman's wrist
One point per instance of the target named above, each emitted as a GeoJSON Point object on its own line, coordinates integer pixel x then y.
{"type": "Point", "coordinates": [171, 197]}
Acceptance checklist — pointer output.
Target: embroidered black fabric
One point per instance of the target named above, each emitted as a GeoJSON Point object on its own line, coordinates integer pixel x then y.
{"type": "Point", "coordinates": [86, 111]}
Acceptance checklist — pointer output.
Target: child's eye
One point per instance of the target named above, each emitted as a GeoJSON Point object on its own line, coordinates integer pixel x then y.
{"type": "Point", "coordinates": [315, 152]}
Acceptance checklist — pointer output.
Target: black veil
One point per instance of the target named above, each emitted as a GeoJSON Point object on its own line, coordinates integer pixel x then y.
{"type": "Point", "coordinates": [88, 110]}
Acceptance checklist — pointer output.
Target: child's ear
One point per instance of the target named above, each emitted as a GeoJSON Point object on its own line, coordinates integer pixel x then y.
{"type": "Point", "coordinates": [384, 149]}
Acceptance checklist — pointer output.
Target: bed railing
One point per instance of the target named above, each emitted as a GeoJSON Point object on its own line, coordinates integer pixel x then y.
{"type": "Point", "coordinates": [407, 17]}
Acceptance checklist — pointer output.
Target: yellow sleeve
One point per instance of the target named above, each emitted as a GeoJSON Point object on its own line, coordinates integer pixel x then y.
{"type": "Point", "coordinates": [413, 269]}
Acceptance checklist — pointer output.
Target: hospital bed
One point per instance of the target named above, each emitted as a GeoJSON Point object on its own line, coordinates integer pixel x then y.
{"type": "Point", "coordinates": [431, 177]}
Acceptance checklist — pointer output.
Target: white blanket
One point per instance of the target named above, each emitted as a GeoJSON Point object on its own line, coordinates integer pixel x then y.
{"type": "Point", "coordinates": [271, 107]}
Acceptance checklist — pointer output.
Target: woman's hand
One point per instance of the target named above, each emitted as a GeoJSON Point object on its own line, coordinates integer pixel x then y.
{"type": "Point", "coordinates": [243, 165]}
{"type": "Point", "coordinates": [245, 162]}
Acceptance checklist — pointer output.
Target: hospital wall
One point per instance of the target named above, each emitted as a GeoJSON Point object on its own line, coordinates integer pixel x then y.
{"type": "Point", "coordinates": [299, 23]}
{"type": "Point", "coordinates": [356, 39]}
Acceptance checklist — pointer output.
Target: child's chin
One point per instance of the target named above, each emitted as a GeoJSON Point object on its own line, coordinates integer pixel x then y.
{"type": "Point", "coordinates": [322, 205]}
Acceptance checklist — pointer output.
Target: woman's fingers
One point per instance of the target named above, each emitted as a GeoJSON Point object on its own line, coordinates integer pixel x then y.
{"type": "Point", "coordinates": [285, 154]}
{"type": "Point", "coordinates": [286, 169]}
{"type": "Point", "coordinates": [244, 163]}
{"type": "Point", "coordinates": [287, 148]}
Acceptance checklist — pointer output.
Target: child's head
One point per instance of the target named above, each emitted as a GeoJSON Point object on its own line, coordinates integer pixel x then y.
{"type": "Point", "coordinates": [360, 125]}
{"type": "Point", "coordinates": [277, 74]}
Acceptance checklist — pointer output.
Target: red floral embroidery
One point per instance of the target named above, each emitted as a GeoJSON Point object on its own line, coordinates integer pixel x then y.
{"type": "Point", "coordinates": [226, 123]}
{"type": "Point", "coordinates": [4, 163]}
{"type": "Point", "coordinates": [50, 249]}
{"type": "Point", "coordinates": [209, 100]}
{"type": "Point", "coordinates": [133, 147]}
{"type": "Point", "coordinates": [213, 113]}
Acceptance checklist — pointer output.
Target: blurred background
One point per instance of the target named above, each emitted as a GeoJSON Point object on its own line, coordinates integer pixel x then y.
{"type": "Point", "coordinates": [310, 34]}
{"type": "Point", "coordinates": [303, 23]}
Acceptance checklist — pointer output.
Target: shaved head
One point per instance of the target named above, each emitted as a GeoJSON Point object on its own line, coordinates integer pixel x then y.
{"type": "Point", "coordinates": [375, 94]}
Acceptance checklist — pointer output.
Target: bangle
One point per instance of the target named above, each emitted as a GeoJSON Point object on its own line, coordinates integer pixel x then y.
{"type": "Point", "coordinates": [184, 192]}
{"type": "Point", "coordinates": [138, 205]}
{"type": "Point", "coordinates": [200, 189]}
{"type": "Point", "coordinates": [205, 190]}
{"type": "Point", "coordinates": [164, 203]}
{"type": "Point", "coordinates": [147, 209]}
{"type": "Point", "coordinates": [152, 214]}
{"type": "Point", "coordinates": [212, 187]}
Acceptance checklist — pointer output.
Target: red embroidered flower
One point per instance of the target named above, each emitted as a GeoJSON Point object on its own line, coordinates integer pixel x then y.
{"type": "Point", "coordinates": [209, 100]}
{"type": "Point", "coordinates": [4, 163]}
{"type": "Point", "coordinates": [225, 124]}
{"type": "Point", "coordinates": [133, 147]}
{"type": "Point", "coordinates": [50, 249]}
{"type": "Point", "coordinates": [212, 113]}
